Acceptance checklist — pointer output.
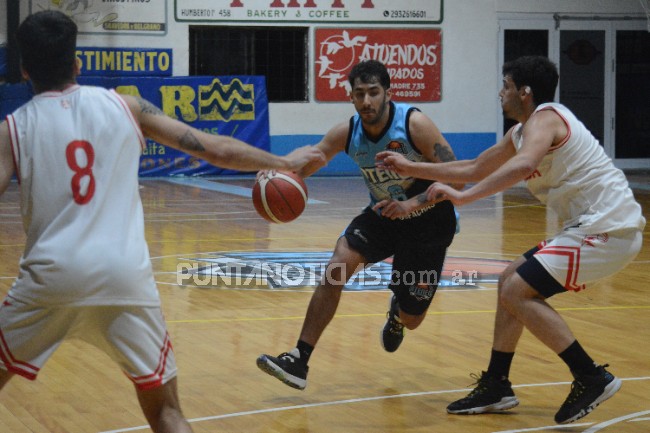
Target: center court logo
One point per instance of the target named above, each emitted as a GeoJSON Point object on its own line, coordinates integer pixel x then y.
{"type": "Point", "coordinates": [298, 270]}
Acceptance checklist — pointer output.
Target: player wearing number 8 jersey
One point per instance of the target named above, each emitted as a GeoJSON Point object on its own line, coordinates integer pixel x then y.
{"type": "Point", "coordinates": [79, 159]}
{"type": "Point", "coordinates": [85, 272]}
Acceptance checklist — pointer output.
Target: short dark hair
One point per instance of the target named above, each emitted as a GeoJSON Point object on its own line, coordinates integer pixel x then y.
{"type": "Point", "coordinates": [537, 72]}
{"type": "Point", "coordinates": [47, 41]}
{"type": "Point", "coordinates": [369, 71]}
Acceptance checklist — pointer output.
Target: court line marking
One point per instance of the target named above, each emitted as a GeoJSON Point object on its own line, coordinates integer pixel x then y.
{"type": "Point", "coordinates": [430, 313]}
{"type": "Point", "coordinates": [548, 427]}
{"type": "Point", "coordinates": [607, 423]}
{"type": "Point", "coordinates": [365, 399]}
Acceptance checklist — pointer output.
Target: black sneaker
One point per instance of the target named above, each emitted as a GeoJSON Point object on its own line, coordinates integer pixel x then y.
{"type": "Point", "coordinates": [587, 392]}
{"type": "Point", "coordinates": [490, 395]}
{"type": "Point", "coordinates": [287, 367]}
{"type": "Point", "coordinates": [393, 332]}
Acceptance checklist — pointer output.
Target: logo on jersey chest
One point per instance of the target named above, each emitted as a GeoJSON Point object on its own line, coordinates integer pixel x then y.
{"type": "Point", "coordinates": [534, 175]}
{"type": "Point", "coordinates": [374, 175]}
{"type": "Point", "coordinates": [397, 146]}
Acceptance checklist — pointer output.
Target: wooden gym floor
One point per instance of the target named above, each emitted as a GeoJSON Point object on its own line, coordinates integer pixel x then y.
{"type": "Point", "coordinates": [220, 325]}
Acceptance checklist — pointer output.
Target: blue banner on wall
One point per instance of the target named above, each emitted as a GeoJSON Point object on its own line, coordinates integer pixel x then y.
{"type": "Point", "coordinates": [12, 96]}
{"type": "Point", "coordinates": [236, 106]}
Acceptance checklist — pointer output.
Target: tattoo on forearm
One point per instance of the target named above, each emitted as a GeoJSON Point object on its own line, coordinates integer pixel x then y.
{"type": "Point", "coordinates": [148, 108]}
{"type": "Point", "coordinates": [422, 198]}
{"type": "Point", "coordinates": [189, 142]}
{"type": "Point", "coordinates": [444, 153]}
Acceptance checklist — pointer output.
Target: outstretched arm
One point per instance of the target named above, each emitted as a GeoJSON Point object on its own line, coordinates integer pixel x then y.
{"type": "Point", "coordinates": [539, 134]}
{"type": "Point", "coordinates": [219, 150]}
{"type": "Point", "coordinates": [332, 143]}
{"type": "Point", "coordinates": [431, 143]}
{"type": "Point", "coordinates": [428, 139]}
{"type": "Point", "coordinates": [454, 171]}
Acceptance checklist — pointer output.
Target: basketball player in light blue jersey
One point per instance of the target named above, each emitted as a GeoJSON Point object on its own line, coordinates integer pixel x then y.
{"type": "Point", "coordinates": [399, 220]}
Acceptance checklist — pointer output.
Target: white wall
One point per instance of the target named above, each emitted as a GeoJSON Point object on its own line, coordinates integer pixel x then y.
{"type": "Point", "coordinates": [469, 81]}
{"type": "Point", "coordinates": [588, 7]}
{"type": "Point", "coordinates": [470, 69]}
{"type": "Point", "coordinates": [469, 100]}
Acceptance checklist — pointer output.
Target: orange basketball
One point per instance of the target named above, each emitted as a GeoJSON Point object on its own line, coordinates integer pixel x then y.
{"type": "Point", "coordinates": [280, 197]}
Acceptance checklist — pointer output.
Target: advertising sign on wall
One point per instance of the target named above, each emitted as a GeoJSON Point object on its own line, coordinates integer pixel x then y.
{"type": "Point", "coordinates": [111, 16]}
{"type": "Point", "coordinates": [125, 61]}
{"type": "Point", "coordinates": [323, 11]}
{"type": "Point", "coordinates": [236, 106]}
{"type": "Point", "coordinates": [412, 56]}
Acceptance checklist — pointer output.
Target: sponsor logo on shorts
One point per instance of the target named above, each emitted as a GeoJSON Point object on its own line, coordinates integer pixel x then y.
{"type": "Point", "coordinates": [592, 240]}
{"type": "Point", "coordinates": [422, 292]}
{"type": "Point", "coordinates": [360, 235]}
{"type": "Point", "coordinates": [417, 213]}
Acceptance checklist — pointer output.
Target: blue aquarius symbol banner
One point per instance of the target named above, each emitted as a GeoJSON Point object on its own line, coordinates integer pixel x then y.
{"type": "Point", "coordinates": [236, 106]}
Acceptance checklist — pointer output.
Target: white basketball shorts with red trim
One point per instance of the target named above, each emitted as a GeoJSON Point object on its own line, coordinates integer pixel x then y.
{"type": "Point", "coordinates": [575, 259]}
{"type": "Point", "coordinates": [134, 337]}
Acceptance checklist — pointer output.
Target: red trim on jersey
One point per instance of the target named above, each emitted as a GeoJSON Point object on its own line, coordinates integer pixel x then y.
{"type": "Point", "coordinates": [11, 124]}
{"type": "Point", "coordinates": [20, 368]}
{"type": "Point", "coordinates": [573, 266]}
{"type": "Point", "coordinates": [155, 379]}
{"type": "Point", "coordinates": [58, 93]}
{"type": "Point", "coordinates": [568, 128]}
{"type": "Point", "coordinates": [136, 125]}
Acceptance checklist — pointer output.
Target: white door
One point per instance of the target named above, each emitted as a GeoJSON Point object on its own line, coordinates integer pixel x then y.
{"type": "Point", "coordinates": [604, 70]}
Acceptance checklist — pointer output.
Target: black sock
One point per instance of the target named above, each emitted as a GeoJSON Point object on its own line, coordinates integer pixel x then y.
{"type": "Point", "coordinates": [578, 361]}
{"type": "Point", "coordinates": [305, 351]}
{"type": "Point", "coordinates": [500, 362]}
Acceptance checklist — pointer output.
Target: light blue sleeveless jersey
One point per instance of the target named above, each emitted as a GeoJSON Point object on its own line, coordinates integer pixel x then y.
{"type": "Point", "coordinates": [383, 184]}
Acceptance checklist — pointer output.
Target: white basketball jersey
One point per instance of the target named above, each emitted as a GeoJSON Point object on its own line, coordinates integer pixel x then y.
{"type": "Point", "coordinates": [580, 182]}
{"type": "Point", "coordinates": [76, 155]}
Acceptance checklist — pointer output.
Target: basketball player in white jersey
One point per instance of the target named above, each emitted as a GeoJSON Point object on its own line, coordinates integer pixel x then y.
{"type": "Point", "coordinates": [85, 272]}
{"type": "Point", "coordinates": [565, 168]}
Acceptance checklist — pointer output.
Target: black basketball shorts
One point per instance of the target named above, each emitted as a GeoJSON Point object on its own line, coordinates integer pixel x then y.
{"type": "Point", "coordinates": [417, 245]}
